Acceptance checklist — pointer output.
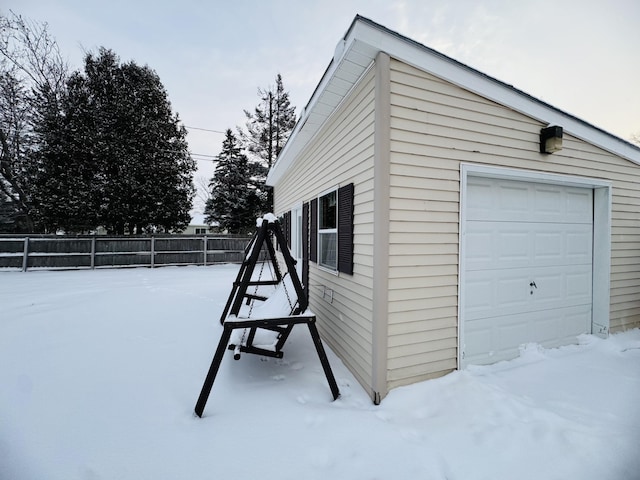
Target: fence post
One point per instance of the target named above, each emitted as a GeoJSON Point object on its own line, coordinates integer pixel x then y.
{"type": "Point", "coordinates": [25, 255]}
{"type": "Point", "coordinates": [93, 251]}
{"type": "Point", "coordinates": [153, 251]}
{"type": "Point", "coordinates": [205, 250]}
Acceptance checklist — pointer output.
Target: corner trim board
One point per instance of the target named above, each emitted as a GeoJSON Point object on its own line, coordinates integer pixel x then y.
{"type": "Point", "coordinates": [382, 159]}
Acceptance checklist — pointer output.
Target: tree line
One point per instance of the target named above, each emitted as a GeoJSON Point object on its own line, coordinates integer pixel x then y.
{"type": "Point", "coordinates": [238, 193]}
{"type": "Point", "coordinates": [98, 147]}
{"type": "Point", "coordinates": [101, 146]}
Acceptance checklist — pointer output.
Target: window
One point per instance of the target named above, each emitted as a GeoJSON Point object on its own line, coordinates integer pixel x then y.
{"type": "Point", "coordinates": [331, 229]}
{"type": "Point", "coordinates": [299, 233]}
{"type": "Point", "coordinates": [201, 231]}
{"type": "Point", "coordinates": [296, 233]}
{"type": "Point", "coordinates": [328, 230]}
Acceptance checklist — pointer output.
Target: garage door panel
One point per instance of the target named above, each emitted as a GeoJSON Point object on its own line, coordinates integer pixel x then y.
{"type": "Point", "coordinates": [579, 204]}
{"type": "Point", "coordinates": [547, 202]}
{"type": "Point", "coordinates": [500, 292]}
{"type": "Point", "coordinates": [490, 293]}
{"type": "Point", "coordinates": [479, 251]}
{"type": "Point", "coordinates": [557, 203]}
{"type": "Point", "coordinates": [579, 286]}
{"type": "Point", "coordinates": [479, 295]}
{"type": "Point", "coordinates": [509, 292]}
{"type": "Point", "coordinates": [548, 246]}
{"type": "Point", "coordinates": [479, 346]}
{"type": "Point", "coordinates": [499, 338]}
{"type": "Point", "coordinates": [513, 199]}
{"type": "Point", "coordinates": [483, 238]}
{"type": "Point", "coordinates": [579, 241]}
{"type": "Point", "coordinates": [493, 340]}
{"type": "Point", "coordinates": [503, 200]}
{"type": "Point", "coordinates": [569, 287]}
{"type": "Point", "coordinates": [548, 288]}
{"type": "Point", "coordinates": [489, 197]}
{"type": "Point", "coordinates": [513, 245]}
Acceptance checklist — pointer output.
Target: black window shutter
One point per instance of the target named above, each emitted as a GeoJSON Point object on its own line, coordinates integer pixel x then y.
{"type": "Point", "coordinates": [313, 234]}
{"type": "Point", "coordinates": [345, 229]}
{"type": "Point", "coordinates": [305, 248]}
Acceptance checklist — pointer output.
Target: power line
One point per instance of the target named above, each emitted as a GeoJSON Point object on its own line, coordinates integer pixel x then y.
{"type": "Point", "coordinates": [204, 129]}
{"type": "Point", "coordinates": [204, 160]}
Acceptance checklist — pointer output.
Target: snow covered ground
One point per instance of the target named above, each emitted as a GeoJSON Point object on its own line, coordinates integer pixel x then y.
{"type": "Point", "coordinates": [100, 371]}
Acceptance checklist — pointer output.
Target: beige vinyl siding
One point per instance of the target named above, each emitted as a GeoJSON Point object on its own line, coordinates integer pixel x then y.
{"type": "Point", "coordinates": [342, 153]}
{"type": "Point", "coordinates": [434, 127]}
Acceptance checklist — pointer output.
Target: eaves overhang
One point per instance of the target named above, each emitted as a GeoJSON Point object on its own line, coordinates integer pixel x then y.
{"type": "Point", "coordinates": [358, 49]}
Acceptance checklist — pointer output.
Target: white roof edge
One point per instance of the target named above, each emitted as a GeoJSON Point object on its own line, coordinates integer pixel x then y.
{"type": "Point", "coordinates": [431, 61]}
{"type": "Point", "coordinates": [286, 157]}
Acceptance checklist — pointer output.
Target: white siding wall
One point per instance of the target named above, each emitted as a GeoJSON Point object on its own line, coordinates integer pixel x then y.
{"type": "Point", "coordinates": [342, 153]}
{"type": "Point", "coordinates": [434, 127]}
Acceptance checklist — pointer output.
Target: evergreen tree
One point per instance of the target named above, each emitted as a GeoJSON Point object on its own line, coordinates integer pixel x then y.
{"type": "Point", "coordinates": [233, 203]}
{"type": "Point", "coordinates": [117, 156]}
{"type": "Point", "coordinates": [267, 129]}
{"type": "Point", "coordinates": [8, 214]}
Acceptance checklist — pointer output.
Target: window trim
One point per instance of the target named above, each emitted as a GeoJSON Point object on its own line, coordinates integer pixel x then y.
{"type": "Point", "coordinates": [327, 231]}
{"type": "Point", "coordinates": [296, 231]}
{"type": "Point", "coordinates": [345, 201]}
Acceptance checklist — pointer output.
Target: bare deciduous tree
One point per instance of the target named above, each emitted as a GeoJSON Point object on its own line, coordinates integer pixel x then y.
{"type": "Point", "coordinates": [32, 70]}
{"type": "Point", "coordinates": [203, 192]}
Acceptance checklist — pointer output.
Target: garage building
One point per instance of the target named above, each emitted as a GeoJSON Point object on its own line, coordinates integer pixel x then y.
{"type": "Point", "coordinates": [444, 218]}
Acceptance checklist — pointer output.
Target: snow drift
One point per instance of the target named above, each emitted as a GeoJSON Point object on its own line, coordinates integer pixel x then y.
{"type": "Point", "coordinates": [100, 371]}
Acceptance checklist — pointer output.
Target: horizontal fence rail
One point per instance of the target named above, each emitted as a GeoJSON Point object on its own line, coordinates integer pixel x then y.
{"type": "Point", "coordinates": [23, 252]}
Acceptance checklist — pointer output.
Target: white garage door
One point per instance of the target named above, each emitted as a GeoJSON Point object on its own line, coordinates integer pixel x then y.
{"type": "Point", "coordinates": [527, 267]}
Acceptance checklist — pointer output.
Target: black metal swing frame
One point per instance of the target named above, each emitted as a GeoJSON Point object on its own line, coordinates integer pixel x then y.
{"type": "Point", "coordinates": [263, 236]}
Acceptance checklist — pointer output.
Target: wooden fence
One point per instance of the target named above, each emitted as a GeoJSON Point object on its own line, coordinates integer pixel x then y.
{"type": "Point", "coordinates": [95, 251]}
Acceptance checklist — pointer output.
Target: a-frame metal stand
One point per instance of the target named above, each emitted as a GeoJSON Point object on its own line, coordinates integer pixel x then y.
{"type": "Point", "coordinates": [265, 233]}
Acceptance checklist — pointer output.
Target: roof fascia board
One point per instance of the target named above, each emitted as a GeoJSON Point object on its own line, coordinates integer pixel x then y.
{"type": "Point", "coordinates": [294, 145]}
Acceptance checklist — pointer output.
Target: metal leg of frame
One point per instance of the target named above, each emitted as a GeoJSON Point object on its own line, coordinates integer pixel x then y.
{"type": "Point", "coordinates": [323, 359]}
{"type": "Point", "coordinates": [213, 370]}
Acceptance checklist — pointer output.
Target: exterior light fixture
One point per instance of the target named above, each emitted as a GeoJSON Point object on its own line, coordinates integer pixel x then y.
{"type": "Point", "coordinates": [551, 139]}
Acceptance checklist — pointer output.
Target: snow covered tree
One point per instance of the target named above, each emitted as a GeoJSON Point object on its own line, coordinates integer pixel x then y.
{"type": "Point", "coordinates": [31, 70]}
{"type": "Point", "coordinates": [118, 158]}
{"type": "Point", "coordinates": [233, 202]}
{"type": "Point", "coordinates": [267, 129]}
{"type": "Point", "coordinates": [8, 214]}
{"type": "Point", "coordinates": [66, 192]}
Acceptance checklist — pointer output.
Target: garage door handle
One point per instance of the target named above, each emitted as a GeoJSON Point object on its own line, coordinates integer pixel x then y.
{"type": "Point", "coordinates": [533, 285]}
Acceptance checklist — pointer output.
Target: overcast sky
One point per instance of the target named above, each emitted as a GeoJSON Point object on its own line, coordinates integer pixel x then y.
{"type": "Point", "coordinates": [582, 56]}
